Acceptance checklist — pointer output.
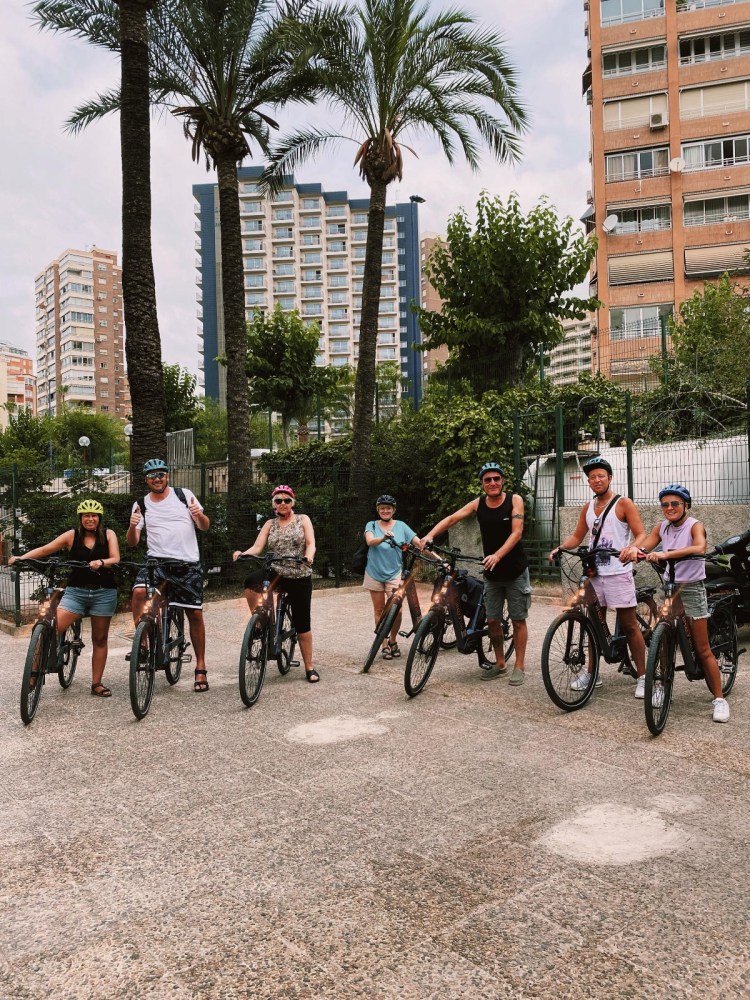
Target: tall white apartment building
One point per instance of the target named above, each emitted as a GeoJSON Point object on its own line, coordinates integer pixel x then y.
{"type": "Point", "coordinates": [304, 249]}
{"type": "Point", "coordinates": [80, 333]}
{"type": "Point", "coordinates": [17, 382]}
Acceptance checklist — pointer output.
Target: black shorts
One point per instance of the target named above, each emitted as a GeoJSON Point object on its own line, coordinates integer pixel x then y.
{"type": "Point", "coordinates": [299, 592]}
{"type": "Point", "coordinates": [185, 583]}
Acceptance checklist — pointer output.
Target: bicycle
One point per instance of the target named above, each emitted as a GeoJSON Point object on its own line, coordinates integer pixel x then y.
{"type": "Point", "coordinates": [673, 632]}
{"type": "Point", "coordinates": [579, 637]}
{"type": "Point", "coordinates": [471, 637]}
{"type": "Point", "coordinates": [49, 652]}
{"type": "Point", "coordinates": [407, 590]}
{"type": "Point", "coordinates": [270, 632]}
{"type": "Point", "coordinates": [159, 642]}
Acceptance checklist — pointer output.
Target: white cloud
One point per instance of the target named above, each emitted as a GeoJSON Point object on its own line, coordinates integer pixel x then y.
{"type": "Point", "coordinates": [62, 191]}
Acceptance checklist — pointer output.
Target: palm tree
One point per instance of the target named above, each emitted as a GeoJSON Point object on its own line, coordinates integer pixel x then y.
{"type": "Point", "coordinates": [393, 69]}
{"type": "Point", "coordinates": [123, 26]}
{"type": "Point", "coordinates": [217, 64]}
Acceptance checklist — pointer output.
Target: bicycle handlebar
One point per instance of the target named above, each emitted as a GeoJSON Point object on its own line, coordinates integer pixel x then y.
{"type": "Point", "coordinates": [269, 557]}
{"type": "Point", "coordinates": [50, 564]}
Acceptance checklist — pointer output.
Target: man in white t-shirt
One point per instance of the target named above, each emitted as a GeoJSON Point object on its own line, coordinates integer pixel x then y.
{"type": "Point", "coordinates": [171, 519]}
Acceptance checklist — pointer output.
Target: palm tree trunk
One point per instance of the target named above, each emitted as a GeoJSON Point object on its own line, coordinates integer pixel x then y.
{"type": "Point", "coordinates": [235, 347]}
{"type": "Point", "coordinates": [364, 389]}
{"type": "Point", "coordinates": [142, 341]}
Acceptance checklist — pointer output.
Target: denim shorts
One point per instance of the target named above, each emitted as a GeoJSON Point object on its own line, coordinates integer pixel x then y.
{"type": "Point", "coordinates": [694, 599]}
{"type": "Point", "coordinates": [100, 602]}
{"type": "Point", "coordinates": [516, 592]}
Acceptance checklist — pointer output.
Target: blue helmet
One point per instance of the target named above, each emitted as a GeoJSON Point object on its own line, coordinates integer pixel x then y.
{"type": "Point", "coordinates": [491, 467]}
{"type": "Point", "coordinates": [155, 465]}
{"type": "Point", "coordinates": [674, 489]}
{"type": "Point", "coordinates": [597, 463]}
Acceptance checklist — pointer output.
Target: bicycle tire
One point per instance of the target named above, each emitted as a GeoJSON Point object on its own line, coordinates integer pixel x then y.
{"type": "Point", "coordinates": [722, 637]}
{"type": "Point", "coordinates": [287, 642]}
{"type": "Point", "coordinates": [34, 667]}
{"type": "Point", "coordinates": [423, 652]}
{"type": "Point", "coordinates": [382, 632]}
{"type": "Point", "coordinates": [67, 654]}
{"type": "Point", "coordinates": [253, 659]}
{"type": "Point", "coordinates": [486, 651]}
{"type": "Point", "coordinates": [565, 659]}
{"type": "Point", "coordinates": [660, 670]}
{"type": "Point", "coordinates": [142, 668]}
{"type": "Point", "coordinates": [176, 636]}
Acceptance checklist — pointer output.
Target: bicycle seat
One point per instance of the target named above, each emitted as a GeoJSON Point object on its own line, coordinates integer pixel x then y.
{"type": "Point", "coordinates": [646, 591]}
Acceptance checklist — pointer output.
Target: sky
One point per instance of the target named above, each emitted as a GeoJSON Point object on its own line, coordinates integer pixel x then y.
{"type": "Point", "coordinates": [59, 191]}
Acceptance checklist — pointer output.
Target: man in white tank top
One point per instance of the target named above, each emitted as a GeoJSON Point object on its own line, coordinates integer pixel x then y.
{"type": "Point", "coordinates": [611, 527]}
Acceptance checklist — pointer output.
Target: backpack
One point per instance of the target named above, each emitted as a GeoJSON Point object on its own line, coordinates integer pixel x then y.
{"type": "Point", "coordinates": [359, 559]}
{"type": "Point", "coordinates": [470, 591]}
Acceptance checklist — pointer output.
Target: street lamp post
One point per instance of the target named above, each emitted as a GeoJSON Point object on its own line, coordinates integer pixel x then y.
{"type": "Point", "coordinates": [84, 442]}
{"type": "Point", "coordinates": [128, 432]}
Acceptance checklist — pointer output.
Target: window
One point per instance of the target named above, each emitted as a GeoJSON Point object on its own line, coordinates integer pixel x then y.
{"type": "Point", "coordinates": [255, 299]}
{"type": "Point", "coordinates": [282, 214]}
{"type": "Point", "coordinates": [283, 252]}
{"type": "Point", "coordinates": [359, 218]}
{"type": "Point", "coordinates": [103, 323]}
{"type": "Point", "coordinates": [311, 257]}
{"type": "Point", "coordinates": [103, 364]}
{"type": "Point", "coordinates": [639, 268]}
{"type": "Point", "coordinates": [311, 222]}
{"type": "Point", "coordinates": [713, 210]}
{"type": "Point", "coordinates": [253, 245]}
{"type": "Point", "coordinates": [621, 11]}
{"type": "Point", "coordinates": [716, 153]}
{"type": "Point", "coordinates": [282, 196]}
{"type": "Point", "coordinates": [645, 219]}
{"type": "Point", "coordinates": [310, 203]}
{"type": "Point", "coordinates": [283, 233]}
{"type": "Point", "coordinates": [101, 267]}
{"type": "Point", "coordinates": [336, 246]}
{"type": "Point", "coordinates": [253, 226]}
{"type": "Point", "coordinates": [284, 270]}
{"type": "Point", "coordinates": [636, 164]}
{"type": "Point", "coordinates": [254, 280]}
{"type": "Point", "coordinates": [255, 264]}
{"type": "Point", "coordinates": [705, 47]}
{"type": "Point", "coordinates": [632, 112]}
{"type": "Point", "coordinates": [337, 264]}
{"type": "Point", "coordinates": [338, 298]}
{"type": "Point", "coordinates": [637, 321]}
{"type": "Point", "coordinates": [721, 99]}
{"type": "Point", "coordinates": [283, 287]}
{"type": "Point", "coordinates": [337, 280]}
{"type": "Point", "coordinates": [628, 61]}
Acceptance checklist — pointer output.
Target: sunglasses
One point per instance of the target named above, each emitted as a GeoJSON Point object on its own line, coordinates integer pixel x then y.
{"type": "Point", "coordinates": [278, 500]}
{"type": "Point", "coordinates": [492, 479]}
{"type": "Point", "coordinates": [666, 504]}
{"type": "Point", "coordinates": [156, 475]}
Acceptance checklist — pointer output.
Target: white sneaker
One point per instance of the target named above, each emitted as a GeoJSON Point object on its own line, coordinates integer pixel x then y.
{"type": "Point", "coordinates": [640, 688]}
{"type": "Point", "coordinates": [582, 681]}
{"type": "Point", "coordinates": [657, 697]}
{"type": "Point", "coordinates": [721, 710]}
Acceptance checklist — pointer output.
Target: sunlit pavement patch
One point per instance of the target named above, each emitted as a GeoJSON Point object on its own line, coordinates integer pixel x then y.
{"type": "Point", "coordinates": [609, 834]}
{"type": "Point", "coordinates": [337, 729]}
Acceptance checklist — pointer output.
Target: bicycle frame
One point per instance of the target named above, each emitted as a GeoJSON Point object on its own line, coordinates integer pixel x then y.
{"type": "Point", "coordinates": [468, 635]}
{"type": "Point", "coordinates": [156, 609]}
{"type": "Point", "coordinates": [273, 602]}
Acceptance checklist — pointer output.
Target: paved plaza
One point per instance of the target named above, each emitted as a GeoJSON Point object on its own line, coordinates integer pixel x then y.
{"type": "Point", "coordinates": [341, 841]}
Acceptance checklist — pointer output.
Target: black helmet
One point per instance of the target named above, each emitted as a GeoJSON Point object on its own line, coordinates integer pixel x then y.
{"type": "Point", "coordinates": [385, 498]}
{"type": "Point", "coordinates": [674, 489]}
{"type": "Point", "coordinates": [597, 463]}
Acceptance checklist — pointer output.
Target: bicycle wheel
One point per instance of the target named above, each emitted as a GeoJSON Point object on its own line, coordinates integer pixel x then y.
{"type": "Point", "coordinates": [660, 666]}
{"type": "Point", "coordinates": [142, 668]}
{"type": "Point", "coordinates": [33, 670]}
{"type": "Point", "coordinates": [722, 636]}
{"type": "Point", "coordinates": [287, 642]}
{"type": "Point", "coordinates": [382, 632]}
{"type": "Point", "coordinates": [175, 644]}
{"type": "Point", "coordinates": [253, 659]}
{"type": "Point", "coordinates": [569, 650]}
{"type": "Point", "coordinates": [68, 652]}
{"type": "Point", "coordinates": [423, 651]}
{"type": "Point", "coordinates": [486, 650]}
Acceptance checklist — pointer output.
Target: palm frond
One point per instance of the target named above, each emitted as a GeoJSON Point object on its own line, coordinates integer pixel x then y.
{"type": "Point", "coordinates": [292, 151]}
{"type": "Point", "coordinates": [95, 21]}
{"type": "Point", "coordinates": [91, 111]}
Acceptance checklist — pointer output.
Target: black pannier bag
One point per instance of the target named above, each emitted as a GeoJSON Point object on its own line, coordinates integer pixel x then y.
{"type": "Point", "coordinates": [470, 590]}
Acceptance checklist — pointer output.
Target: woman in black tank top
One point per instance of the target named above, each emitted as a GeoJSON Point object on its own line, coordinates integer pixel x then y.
{"type": "Point", "coordinates": [90, 591]}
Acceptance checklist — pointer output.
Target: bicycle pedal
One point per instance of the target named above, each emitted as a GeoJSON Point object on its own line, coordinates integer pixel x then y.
{"type": "Point", "coordinates": [294, 663]}
{"type": "Point", "coordinates": [740, 652]}
{"type": "Point", "coordinates": [187, 658]}
{"type": "Point", "coordinates": [127, 656]}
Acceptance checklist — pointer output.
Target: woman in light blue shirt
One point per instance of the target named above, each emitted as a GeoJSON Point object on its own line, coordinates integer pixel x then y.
{"type": "Point", "coordinates": [383, 572]}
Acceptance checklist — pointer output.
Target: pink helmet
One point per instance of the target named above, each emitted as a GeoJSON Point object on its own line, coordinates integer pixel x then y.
{"type": "Point", "coordinates": [286, 490]}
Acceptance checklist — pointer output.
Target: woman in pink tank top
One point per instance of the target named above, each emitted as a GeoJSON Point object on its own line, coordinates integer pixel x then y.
{"type": "Point", "coordinates": [683, 535]}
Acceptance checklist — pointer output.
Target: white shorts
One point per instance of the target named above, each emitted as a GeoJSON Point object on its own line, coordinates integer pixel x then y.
{"type": "Point", "coordinates": [370, 583]}
{"type": "Point", "coordinates": [616, 590]}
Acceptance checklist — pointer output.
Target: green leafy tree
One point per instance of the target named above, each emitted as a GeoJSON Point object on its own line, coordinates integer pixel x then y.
{"type": "Point", "coordinates": [103, 431]}
{"type": "Point", "coordinates": [281, 369]}
{"type": "Point", "coordinates": [122, 26]}
{"type": "Point", "coordinates": [505, 283]}
{"type": "Point", "coordinates": [394, 68]}
{"type": "Point", "coordinates": [179, 397]}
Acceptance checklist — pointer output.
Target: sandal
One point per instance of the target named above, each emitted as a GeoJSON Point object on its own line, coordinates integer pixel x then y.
{"type": "Point", "coordinates": [386, 653]}
{"type": "Point", "coordinates": [100, 691]}
{"type": "Point", "coordinates": [394, 650]}
{"type": "Point", "coordinates": [313, 676]}
{"type": "Point", "coordinates": [200, 686]}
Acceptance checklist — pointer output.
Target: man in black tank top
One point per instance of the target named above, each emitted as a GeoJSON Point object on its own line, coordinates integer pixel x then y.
{"type": "Point", "coordinates": [506, 568]}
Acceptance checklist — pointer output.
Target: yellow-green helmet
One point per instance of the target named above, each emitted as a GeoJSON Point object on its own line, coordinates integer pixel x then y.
{"type": "Point", "coordinates": [90, 507]}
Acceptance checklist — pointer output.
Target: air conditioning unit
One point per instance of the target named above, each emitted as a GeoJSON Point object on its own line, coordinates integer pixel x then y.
{"type": "Point", "coordinates": [658, 121]}
{"type": "Point", "coordinates": [589, 197]}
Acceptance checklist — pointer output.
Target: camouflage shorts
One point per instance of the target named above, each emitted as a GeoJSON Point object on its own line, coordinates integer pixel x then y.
{"type": "Point", "coordinates": [185, 583]}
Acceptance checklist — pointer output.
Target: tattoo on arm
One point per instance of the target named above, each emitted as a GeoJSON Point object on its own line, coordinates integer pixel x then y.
{"type": "Point", "coordinates": [517, 517]}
